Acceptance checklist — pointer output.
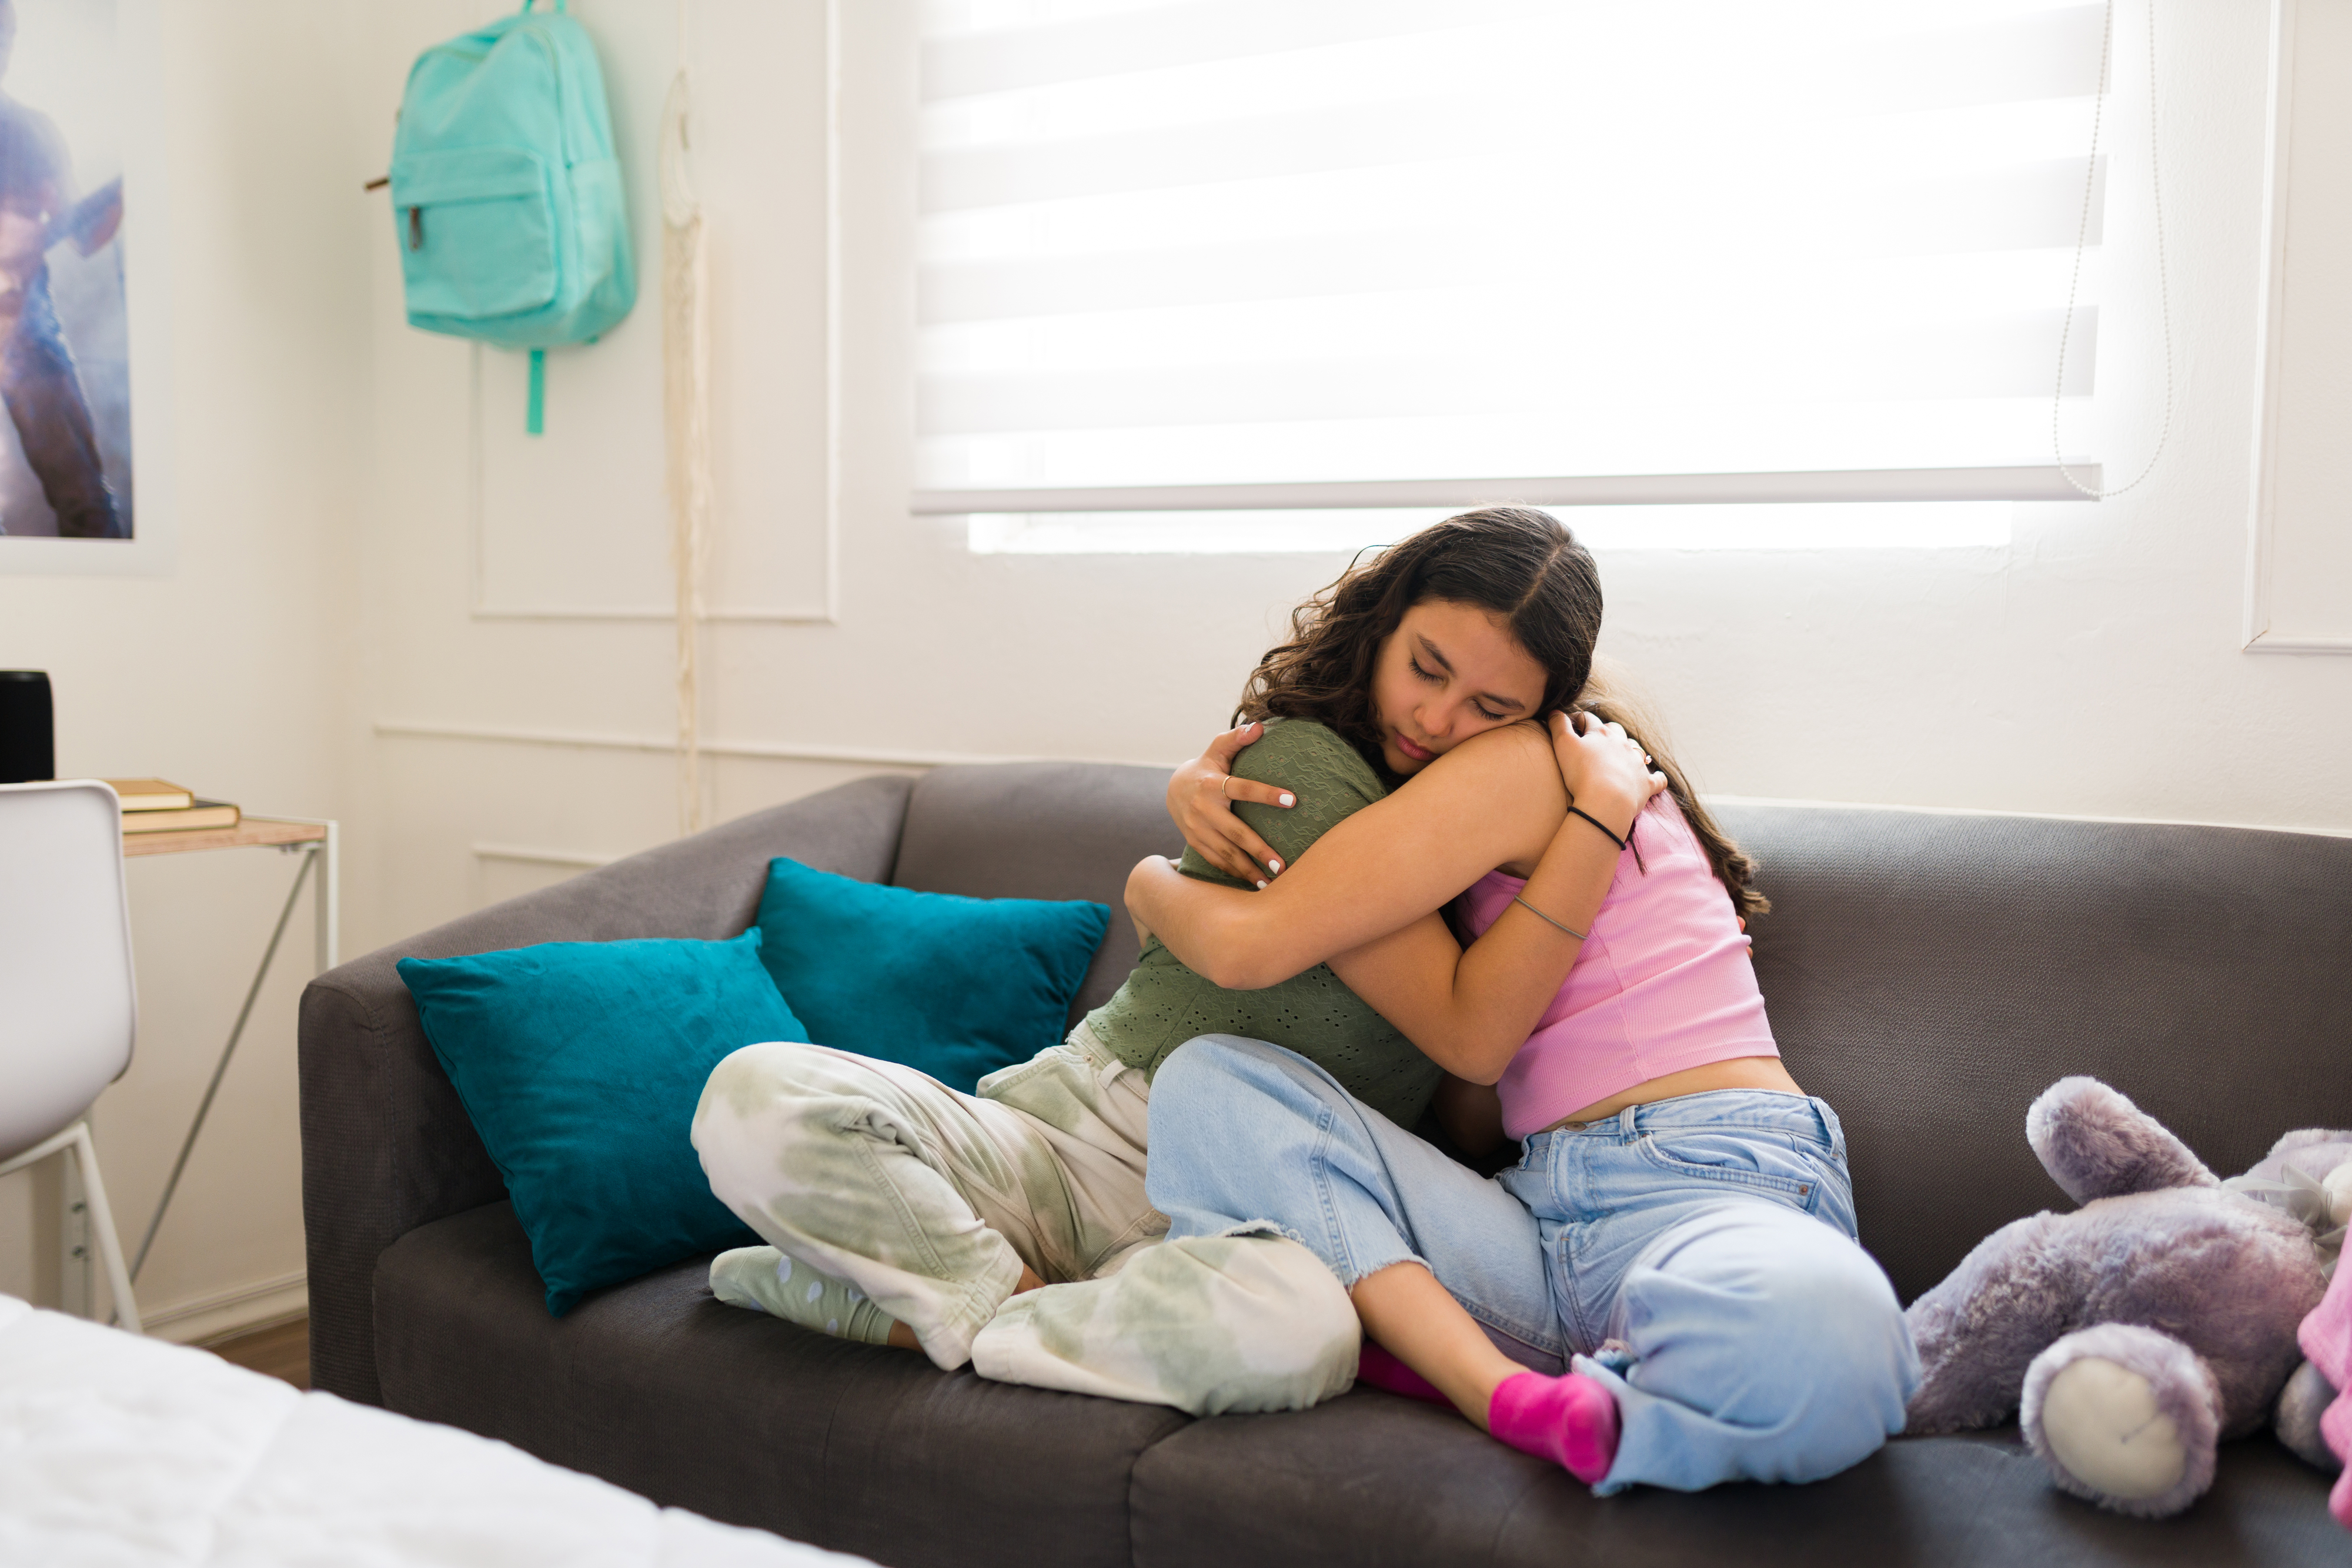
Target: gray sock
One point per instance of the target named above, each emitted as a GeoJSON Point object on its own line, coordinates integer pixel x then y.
{"type": "Point", "coordinates": [766, 1281]}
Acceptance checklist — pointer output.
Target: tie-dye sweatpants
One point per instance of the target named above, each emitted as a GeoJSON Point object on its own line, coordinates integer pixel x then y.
{"type": "Point", "coordinates": [884, 1195]}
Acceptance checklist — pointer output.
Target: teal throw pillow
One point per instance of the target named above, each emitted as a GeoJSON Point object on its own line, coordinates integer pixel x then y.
{"type": "Point", "coordinates": [581, 1063]}
{"type": "Point", "coordinates": [956, 986]}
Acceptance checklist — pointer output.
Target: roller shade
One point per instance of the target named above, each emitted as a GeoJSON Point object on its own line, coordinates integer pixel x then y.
{"type": "Point", "coordinates": [1278, 246]}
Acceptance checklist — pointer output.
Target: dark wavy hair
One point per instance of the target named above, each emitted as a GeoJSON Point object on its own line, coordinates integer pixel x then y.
{"type": "Point", "coordinates": [1516, 562]}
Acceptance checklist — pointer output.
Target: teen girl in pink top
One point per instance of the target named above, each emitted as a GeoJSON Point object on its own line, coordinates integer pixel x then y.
{"type": "Point", "coordinates": [1663, 983]}
{"type": "Point", "coordinates": [1667, 1288]}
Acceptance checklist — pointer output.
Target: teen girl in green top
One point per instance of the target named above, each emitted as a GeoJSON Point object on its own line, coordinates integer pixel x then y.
{"type": "Point", "coordinates": [901, 1212]}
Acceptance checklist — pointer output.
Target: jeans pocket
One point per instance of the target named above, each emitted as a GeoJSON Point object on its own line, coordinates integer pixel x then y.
{"type": "Point", "coordinates": [1004, 1085]}
{"type": "Point", "coordinates": [1772, 1168]}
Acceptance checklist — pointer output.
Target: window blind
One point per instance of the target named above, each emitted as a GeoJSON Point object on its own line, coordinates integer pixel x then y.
{"type": "Point", "coordinates": [1363, 253]}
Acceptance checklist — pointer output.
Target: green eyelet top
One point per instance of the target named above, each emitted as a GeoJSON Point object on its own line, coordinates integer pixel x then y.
{"type": "Point", "coordinates": [1164, 1004]}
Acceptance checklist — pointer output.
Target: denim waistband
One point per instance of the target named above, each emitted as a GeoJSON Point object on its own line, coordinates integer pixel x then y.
{"type": "Point", "coordinates": [1755, 1110]}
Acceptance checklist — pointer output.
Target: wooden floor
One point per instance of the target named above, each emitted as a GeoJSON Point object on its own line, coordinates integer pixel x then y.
{"type": "Point", "coordinates": [283, 1351]}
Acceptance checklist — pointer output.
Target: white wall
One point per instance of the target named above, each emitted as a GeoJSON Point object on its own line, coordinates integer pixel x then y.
{"type": "Point", "coordinates": [316, 650]}
{"type": "Point", "coordinates": [2092, 667]}
{"type": "Point", "coordinates": [230, 674]}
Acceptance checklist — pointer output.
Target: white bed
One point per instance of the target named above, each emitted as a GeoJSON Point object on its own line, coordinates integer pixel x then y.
{"type": "Point", "coordinates": [121, 1450]}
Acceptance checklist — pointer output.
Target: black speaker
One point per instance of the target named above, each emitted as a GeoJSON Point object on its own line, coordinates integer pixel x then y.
{"type": "Point", "coordinates": [29, 731]}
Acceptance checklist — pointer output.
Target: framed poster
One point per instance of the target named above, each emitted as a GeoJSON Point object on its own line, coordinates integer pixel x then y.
{"type": "Point", "coordinates": [80, 331]}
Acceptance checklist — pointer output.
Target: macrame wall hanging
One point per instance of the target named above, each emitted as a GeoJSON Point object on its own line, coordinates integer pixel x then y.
{"type": "Point", "coordinates": [686, 417]}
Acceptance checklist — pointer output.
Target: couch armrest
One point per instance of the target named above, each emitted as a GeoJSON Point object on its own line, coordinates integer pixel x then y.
{"type": "Point", "coordinates": [388, 1146]}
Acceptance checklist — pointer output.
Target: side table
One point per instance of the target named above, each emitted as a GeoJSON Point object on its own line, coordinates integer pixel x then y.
{"type": "Point", "coordinates": [316, 841]}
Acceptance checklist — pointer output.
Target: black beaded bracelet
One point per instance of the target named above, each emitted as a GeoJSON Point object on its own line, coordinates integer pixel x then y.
{"type": "Point", "coordinates": [1580, 811]}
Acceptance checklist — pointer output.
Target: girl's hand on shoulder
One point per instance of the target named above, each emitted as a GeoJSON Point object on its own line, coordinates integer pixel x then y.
{"type": "Point", "coordinates": [1200, 796]}
{"type": "Point", "coordinates": [1605, 770]}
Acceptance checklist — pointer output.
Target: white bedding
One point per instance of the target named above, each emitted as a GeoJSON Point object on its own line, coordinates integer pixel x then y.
{"type": "Point", "coordinates": [121, 1450]}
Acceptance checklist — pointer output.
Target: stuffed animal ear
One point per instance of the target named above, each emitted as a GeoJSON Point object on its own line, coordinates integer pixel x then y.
{"type": "Point", "coordinates": [2303, 1137]}
{"type": "Point", "coordinates": [2094, 1143]}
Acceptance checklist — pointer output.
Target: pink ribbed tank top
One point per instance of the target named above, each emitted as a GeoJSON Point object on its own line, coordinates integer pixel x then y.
{"type": "Point", "coordinates": [1664, 982]}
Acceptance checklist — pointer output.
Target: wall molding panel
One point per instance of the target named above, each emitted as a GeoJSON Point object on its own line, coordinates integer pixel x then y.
{"type": "Point", "coordinates": [524, 855]}
{"type": "Point", "coordinates": [879, 758]}
{"type": "Point", "coordinates": [764, 752]}
{"type": "Point", "coordinates": [2302, 386]}
{"type": "Point", "coordinates": [760, 160]}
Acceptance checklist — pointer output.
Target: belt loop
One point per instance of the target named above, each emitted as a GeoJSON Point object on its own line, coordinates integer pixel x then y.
{"type": "Point", "coordinates": [1625, 1127]}
{"type": "Point", "coordinates": [1831, 1133]}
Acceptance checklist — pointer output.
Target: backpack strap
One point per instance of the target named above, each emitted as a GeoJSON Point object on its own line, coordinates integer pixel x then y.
{"type": "Point", "coordinates": [535, 418]}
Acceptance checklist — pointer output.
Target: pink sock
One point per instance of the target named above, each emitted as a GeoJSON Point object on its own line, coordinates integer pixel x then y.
{"type": "Point", "coordinates": [1571, 1420]}
{"type": "Point", "coordinates": [1382, 1370]}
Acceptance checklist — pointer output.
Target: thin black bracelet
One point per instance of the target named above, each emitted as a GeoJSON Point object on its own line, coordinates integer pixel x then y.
{"type": "Point", "coordinates": [1580, 811]}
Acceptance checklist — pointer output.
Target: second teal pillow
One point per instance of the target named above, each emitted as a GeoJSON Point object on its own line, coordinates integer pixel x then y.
{"type": "Point", "coordinates": [955, 987]}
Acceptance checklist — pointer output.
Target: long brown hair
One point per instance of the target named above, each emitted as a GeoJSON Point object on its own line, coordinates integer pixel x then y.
{"type": "Point", "coordinates": [1512, 561]}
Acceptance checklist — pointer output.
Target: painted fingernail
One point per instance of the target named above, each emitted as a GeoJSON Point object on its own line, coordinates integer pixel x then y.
{"type": "Point", "coordinates": [1290, 799]}
{"type": "Point", "coordinates": [1274, 866]}
{"type": "Point", "coordinates": [1261, 884]}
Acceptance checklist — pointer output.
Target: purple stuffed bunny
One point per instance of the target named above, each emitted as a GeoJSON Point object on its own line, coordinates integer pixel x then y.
{"type": "Point", "coordinates": [2159, 1318]}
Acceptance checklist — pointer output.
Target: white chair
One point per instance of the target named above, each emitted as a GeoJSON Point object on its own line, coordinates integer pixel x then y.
{"type": "Point", "coordinates": [68, 1007]}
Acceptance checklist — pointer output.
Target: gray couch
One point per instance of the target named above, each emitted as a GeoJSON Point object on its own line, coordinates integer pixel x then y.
{"type": "Point", "coordinates": [1927, 973]}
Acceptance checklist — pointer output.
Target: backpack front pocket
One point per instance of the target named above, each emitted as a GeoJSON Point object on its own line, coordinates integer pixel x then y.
{"type": "Point", "coordinates": [476, 232]}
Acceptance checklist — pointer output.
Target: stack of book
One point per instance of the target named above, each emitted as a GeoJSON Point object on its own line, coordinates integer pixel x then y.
{"type": "Point", "coordinates": [152, 806]}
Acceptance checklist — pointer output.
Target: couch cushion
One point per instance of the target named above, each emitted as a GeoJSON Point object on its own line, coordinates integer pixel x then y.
{"type": "Point", "coordinates": [1928, 974]}
{"type": "Point", "coordinates": [656, 1386]}
{"type": "Point", "coordinates": [1043, 830]}
{"type": "Point", "coordinates": [1370, 1479]}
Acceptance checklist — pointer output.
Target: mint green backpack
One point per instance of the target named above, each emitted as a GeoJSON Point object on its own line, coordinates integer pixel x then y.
{"type": "Point", "coordinates": [505, 192]}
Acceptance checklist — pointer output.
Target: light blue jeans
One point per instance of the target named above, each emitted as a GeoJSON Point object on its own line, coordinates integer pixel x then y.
{"type": "Point", "coordinates": [1696, 1255]}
